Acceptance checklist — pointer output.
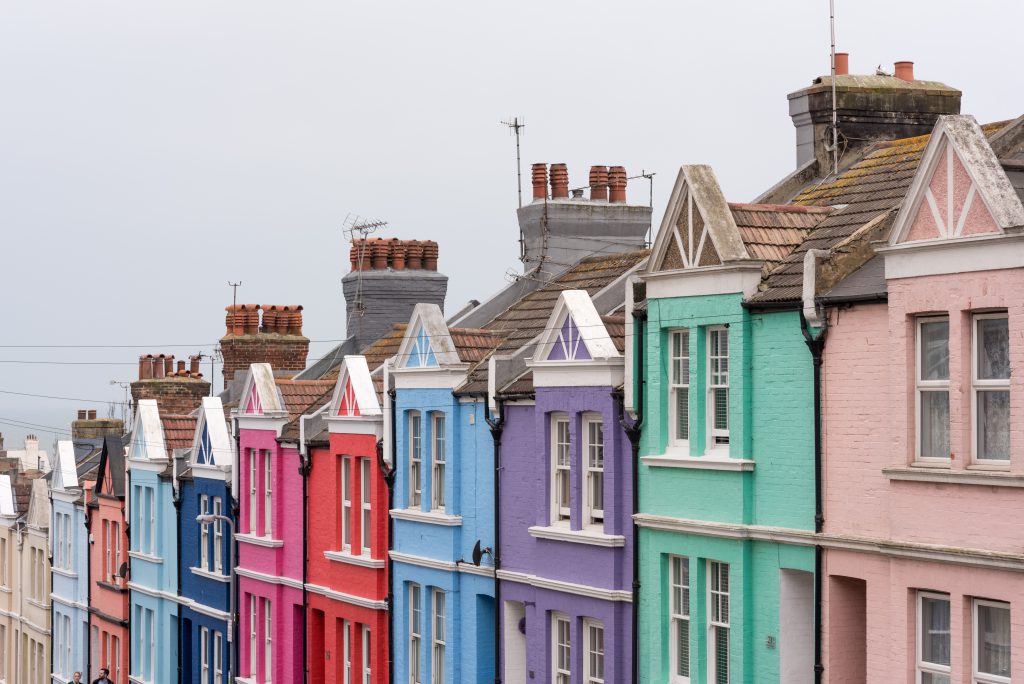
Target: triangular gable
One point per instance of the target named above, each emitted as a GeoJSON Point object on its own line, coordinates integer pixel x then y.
{"type": "Point", "coordinates": [575, 331]}
{"type": "Point", "coordinates": [212, 444]}
{"type": "Point", "coordinates": [698, 228]}
{"type": "Point", "coordinates": [148, 433]}
{"type": "Point", "coordinates": [39, 504]}
{"type": "Point", "coordinates": [427, 342]}
{"type": "Point", "coordinates": [6, 496]}
{"type": "Point", "coordinates": [960, 188]}
{"type": "Point", "coordinates": [65, 472]}
{"type": "Point", "coordinates": [260, 396]}
{"type": "Point", "coordinates": [354, 394]}
{"type": "Point", "coordinates": [110, 472]}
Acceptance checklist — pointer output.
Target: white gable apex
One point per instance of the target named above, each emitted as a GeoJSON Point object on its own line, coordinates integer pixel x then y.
{"type": "Point", "coordinates": [354, 393]}
{"type": "Point", "coordinates": [260, 396]}
{"type": "Point", "coordinates": [574, 321]}
{"type": "Point", "coordinates": [65, 473]}
{"type": "Point", "coordinates": [427, 341]}
{"type": "Point", "coordinates": [6, 497]}
{"type": "Point", "coordinates": [148, 434]}
{"type": "Point", "coordinates": [212, 444]}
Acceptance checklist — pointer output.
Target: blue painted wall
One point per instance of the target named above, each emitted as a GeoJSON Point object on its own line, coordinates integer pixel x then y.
{"type": "Point", "coordinates": [71, 588]}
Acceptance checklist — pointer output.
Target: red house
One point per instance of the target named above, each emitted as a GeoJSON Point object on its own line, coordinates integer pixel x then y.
{"type": "Point", "coordinates": [347, 544]}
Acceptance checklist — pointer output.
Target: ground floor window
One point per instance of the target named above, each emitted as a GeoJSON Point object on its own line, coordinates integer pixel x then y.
{"type": "Point", "coordinates": [561, 648]}
{"type": "Point", "coordinates": [991, 642]}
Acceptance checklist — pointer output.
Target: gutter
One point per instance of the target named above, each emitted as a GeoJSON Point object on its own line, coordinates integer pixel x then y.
{"type": "Point", "coordinates": [633, 432]}
{"type": "Point", "coordinates": [497, 427]}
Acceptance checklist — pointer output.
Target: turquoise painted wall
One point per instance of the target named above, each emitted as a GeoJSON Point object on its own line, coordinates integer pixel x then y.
{"type": "Point", "coordinates": [771, 423]}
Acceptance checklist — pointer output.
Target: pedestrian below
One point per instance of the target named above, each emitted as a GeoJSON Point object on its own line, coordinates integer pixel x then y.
{"type": "Point", "coordinates": [104, 677]}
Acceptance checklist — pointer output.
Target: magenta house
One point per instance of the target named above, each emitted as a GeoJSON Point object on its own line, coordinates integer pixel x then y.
{"type": "Point", "coordinates": [270, 535]}
{"type": "Point", "coordinates": [566, 506]}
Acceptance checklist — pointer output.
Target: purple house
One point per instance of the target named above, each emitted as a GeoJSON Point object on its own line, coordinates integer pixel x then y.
{"type": "Point", "coordinates": [566, 506]}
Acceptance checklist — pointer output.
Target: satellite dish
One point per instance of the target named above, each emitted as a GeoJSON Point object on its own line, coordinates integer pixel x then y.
{"type": "Point", "coordinates": [478, 554]}
{"type": "Point", "coordinates": [122, 571]}
{"type": "Point", "coordinates": [522, 625]}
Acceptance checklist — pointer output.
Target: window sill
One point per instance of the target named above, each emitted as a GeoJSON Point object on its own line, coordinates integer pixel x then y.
{"type": "Point", "coordinates": [416, 515]}
{"type": "Point", "coordinates": [265, 542]}
{"type": "Point", "coordinates": [5, 590]}
{"type": "Point", "coordinates": [591, 537]}
{"type": "Point", "coordinates": [112, 587]}
{"type": "Point", "coordinates": [139, 555]}
{"type": "Point", "coordinates": [346, 557]}
{"type": "Point", "coordinates": [70, 574]}
{"type": "Point", "coordinates": [38, 604]}
{"type": "Point", "coordinates": [699, 462]}
{"type": "Point", "coordinates": [972, 476]}
{"type": "Point", "coordinates": [216, 577]}
{"type": "Point", "coordinates": [245, 680]}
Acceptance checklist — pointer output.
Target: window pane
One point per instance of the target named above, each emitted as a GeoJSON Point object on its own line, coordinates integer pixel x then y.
{"type": "Point", "coordinates": [993, 349]}
{"type": "Point", "coordinates": [682, 413]}
{"type": "Point", "coordinates": [721, 408]}
{"type": "Point", "coordinates": [994, 640]}
{"type": "Point", "coordinates": [935, 631]}
{"type": "Point", "coordinates": [683, 648]}
{"type": "Point", "coordinates": [935, 350]}
{"type": "Point", "coordinates": [929, 678]}
{"type": "Point", "coordinates": [935, 424]}
{"type": "Point", "coordinates": [721, 655]}
{"type": "Point", "coordinates": [994, 425]}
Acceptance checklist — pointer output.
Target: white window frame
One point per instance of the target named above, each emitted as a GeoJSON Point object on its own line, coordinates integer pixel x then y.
{"type": "Point", "coordinates": [982, 677]}
{"type": "Point", "coordinates": [415, 494]}
{"type": "Point", "coordinates": [415, 634]}
{"type": "Point", "coordinates": [717, 435]}
{"type": "Point", "coordinates": [922, 386]}
{"type": "Point", "coordinates": [346, 651]}
{"type": "Point", "coordinates": [116, 529]}
{"type": "Point", "coordinates": [218, 658]}
{"type": "Point", "coordinates": [253, 489]}
{"type": "Point", "coordinates": [204, 654]}
{"type": "Point", "coordinates": [68, 548]}
{"type": "Point", "coordinates": [922, 666]}
{"type": "Point", "coordinates": [268, 494]}
{"type": "Point", "coordinates": [590, 651]}
{"type": "Point", "coordinates": [679, 382]}
{"type": "Point", "coordinates": [346, 503]}
{"type": "Point", "coordinates": [438, 623]}
{"type": "Point", "coordinates": [151, 500]}
{"type": "Point", "coordinates": [719, 625]}
{"type": "Point", "coordinates": [218, 536]}
{"type": "Point", "coordinates": [438, 457]}
{"type": "Point", "coordinates": [115, 657]}
{"type": "Point", "coordinates": [979, 387]}
{"type": "Point", "coordinates": [366, 505]}
{"type": "Point", "coordinates": [592, 515]}
{"type": "Point", "coordinates": [679, 595]}
{"type": "Point", "coordinates": [367, 657]}
{"type": "Point", "coordinates": [268, 641]}
{"type": "Point", "coordinates": [561, 669]}
{"type": "Point", "coordinates": [204, 533]}
{"type": "Point", "coordinates": [253, 646]}
{"type": "Point", "coordinates": [561, 511]}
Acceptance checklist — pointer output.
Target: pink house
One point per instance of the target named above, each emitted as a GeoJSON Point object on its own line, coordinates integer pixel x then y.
{"type": "Point", "coordinates": [923, 425]}
{"type": "Point", "coordinates": [270, 531]}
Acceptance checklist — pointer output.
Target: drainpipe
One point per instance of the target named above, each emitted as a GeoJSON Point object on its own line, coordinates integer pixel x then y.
{"type": "Point", "coordinates": [633, 433]}
{"type": "Point", "coordinates": [810, 317]}
{"type": "Point", "coordinates": [233, 589]}
{"type": "Point", "coordinates": [389, 480]}
{"type": "Point", "coordinates": [305, 467]}
{"type": "Point", "coordinates": [497, 427]}
{"type": "Point", "coordinates": [176, 501]}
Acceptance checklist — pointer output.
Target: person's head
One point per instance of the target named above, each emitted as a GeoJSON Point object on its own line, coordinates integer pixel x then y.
{"type": "Point", "coordinates": [77, 677]}
{"type": "Point", "coordinates": [104, 672]}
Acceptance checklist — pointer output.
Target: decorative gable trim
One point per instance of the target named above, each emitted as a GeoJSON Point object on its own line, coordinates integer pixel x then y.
{"type": "Point", "coordinates": [427, 342]}
{"type": "Point", "coordinates": [65, 472]}
{"type": "Point", "coordinates": [698, 229]}
{"type": "Point", "coordinates": [212, 445]}
{"type": "Point", "coordinates": [938, 206]}
{"type": "Point", "coordinates": [354, 393]}
{"type": "Point", "coordinates": [147, 434]}
{"type": "Point", "coordinates": [6, 497]}
{"type": "Point", "coordinates": [260, 396]}
{"type": "Point", "coordinates": [574, 332]}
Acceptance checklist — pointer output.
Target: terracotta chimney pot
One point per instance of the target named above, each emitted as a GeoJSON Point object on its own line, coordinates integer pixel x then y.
{"type": "Point", "coordinates": [617, 180]}
{"type": "Point", "coordinates": [905, 71]}
{"type": "Point", "coordinates": [599, 183]}
{"type": "Point", "coordinates": [147, 367]}
{"type": "Point", "coordinates": [194, 364]}
{"type": "Point", "coordinates": [430, 252]}
{"type": "Point", "coordinates": [159, 367]}
{"type": "Point", "coordinates": [539, 173]}
{"type": "Point", "coordinates": [842, 63]}
{"type": "Point", "coordinates": [414, 255]}
{"type": "Point", "coordinates": [181, 367]}
{"type": "Point", "coordinates": [380, 255]}
{"type": "Point", "coordinates": [169, 364]}
{"type": "Point", "coordinates": [398, 249]}
{"type": "Point", "coordinates": [270, 318]}
{"type": "Point", "coordinates": [353, 257]}
{"type": "Point", "coordinates": [559, 181]}
{"type": "Point", "coordinates": [82, 415]}
{"type": "Point", "coordinates": [92, 414]}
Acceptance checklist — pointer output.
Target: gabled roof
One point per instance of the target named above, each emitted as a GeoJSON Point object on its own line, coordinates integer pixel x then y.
{"type": "Point", "coordinates": [211, 443]}
{"type": "Point", "coordinates": [870, 190]}
{"type": "Point", "coordinates": [179, 431]}
{"type": "Point", "coordinates": [300, 395]}
{"type": "Point", "coordinates": [110, 475]}
{"type": "Point", "coordinates": [574, 332]}
{"type": "Point", "coordinates": [38, 514]}
{"type": "Point", "coordinates": [771, 231]}
{"type": "Point", "coordinates": [354, 393]}
{"type": "Point", "coordinates": [147, 441]}
{"type": "Point", "coordinates": [260, 396]}
{"type": "Point", "coordinates": [427, 342]}
{"type": "Point", "coordinates": [65, 471]}
{"type": "Point", "coordinates": [960, 188]}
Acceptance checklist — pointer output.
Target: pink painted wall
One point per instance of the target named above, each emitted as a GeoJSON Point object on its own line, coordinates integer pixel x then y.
{"type": "Point", "coordinates": [869, 425]}
{"type": "Point", "coordinates": [286, 625]}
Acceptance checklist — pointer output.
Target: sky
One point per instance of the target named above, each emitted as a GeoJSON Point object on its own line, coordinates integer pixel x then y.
{"type": "Point", "coordinates": [152, 152]}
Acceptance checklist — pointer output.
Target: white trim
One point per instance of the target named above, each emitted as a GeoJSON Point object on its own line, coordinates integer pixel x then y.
{"type": "Point", "coordinates": [972, 476]}
{"type": "Point", "coordinates": [538, 582]}
{"type": "Point", "coordinates": [741, 277]}
{"type": "Point", "coordinates": [266, 423]}
{"type": "Point", "coordinates": [698, 462]}
{"type": "Point", "coordinates": [70, 603]}
{"type": "Point", "coordinates": [986, 252]}
{"type": "Point", "coordinates": [351, 599]}
{"type": "Point", "coordinates": [430, 517]}
{"type": "Point", "coordinates": [978, 677]}
{"type": "Point", "coordinates": [921, 666]}
{"type": "Point", "coordinates": [423, 561]}
{"type": "Point", "coordinates": [432, 377]}
{"type": "Point", "coordinates": [215, 576]}
{"type": "Point", "coordinates": [269, 579]}
{"type": "Point", "coordinates": [266, 542]}
{"type": "Point", "coordinates": [470, 569]}
{"type": "Point", "coordinates": [592, 373]}
{"type": "Point", "coordinates": [355, 425]}
{"type": "Point", "coordinates": [346, 557]}
{"type": "Point", "coordinates": [149, 558]}
{"type": "Point", "coordinates": [63, 573]}
{"type": "Point", "coordinates": [211, 472]}
{"type": "Point", "coordinates": [585, 536]}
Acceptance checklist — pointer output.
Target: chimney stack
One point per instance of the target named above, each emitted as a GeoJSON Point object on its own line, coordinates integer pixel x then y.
{"type": "Point", "coordinates": [175, 392]}
{"type": "Point", "coordinates": [617, 181]}
{"type": "Point", "coordinates": [905, 71]}
{"type": "Point", "coordinates": [540, 181]}
{"type": "Point", "coordinates": [88, 426]}
{"type": "Point", "coordinates": [599, 183]}
{"type": "Point", "coordinates": [559, 181]}
{"type": "Point", "coordinates": [842, 63]}
{"type": "Point", "coordinates": [276, 339]}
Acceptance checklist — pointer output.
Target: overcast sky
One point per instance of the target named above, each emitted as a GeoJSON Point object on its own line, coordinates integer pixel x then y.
{"type": "Point", "coordinates": [152, 151]}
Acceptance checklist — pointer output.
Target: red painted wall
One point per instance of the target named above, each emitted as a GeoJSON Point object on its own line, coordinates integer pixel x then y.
{"type": "Point", "coordinates": [108, 600]}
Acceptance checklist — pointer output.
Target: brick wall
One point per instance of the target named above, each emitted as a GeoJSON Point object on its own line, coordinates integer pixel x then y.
{"type": "Point", "coordinates": [282, 352]}
{"type": "Point", "coordinates": [174, 396]}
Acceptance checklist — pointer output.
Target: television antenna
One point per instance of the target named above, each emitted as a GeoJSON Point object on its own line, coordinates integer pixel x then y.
{"type": "Point", "coordinates": [515, 127]}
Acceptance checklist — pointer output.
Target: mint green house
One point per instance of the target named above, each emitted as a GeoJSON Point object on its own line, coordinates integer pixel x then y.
{"type": "Point", "coordinates": [726, 502]}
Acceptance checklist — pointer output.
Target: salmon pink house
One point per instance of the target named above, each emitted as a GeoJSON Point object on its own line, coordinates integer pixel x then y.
{"type": "Point", "coordinates": [271, 535]}
{"type": "Point", "coordinates": [924, 573]}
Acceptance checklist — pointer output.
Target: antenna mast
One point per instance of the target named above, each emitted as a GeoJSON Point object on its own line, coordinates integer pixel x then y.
{"type": "Point", "coordinates": [515, 126]}
{"type": "Point", "coordinates": [357, 228]}
{"type": "Point", "coordinates": [234, 293]}
{"type": "Point", "coordinates": [835, 127]}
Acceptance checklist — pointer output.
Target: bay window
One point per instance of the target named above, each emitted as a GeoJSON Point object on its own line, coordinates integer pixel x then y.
{"type": "Point", "coordinates": [438, 469]}
{"type": "Point", "coordinates": [365, 491]}
{"type": "Point", "coordinates": [560, 464]}
{"type": "Point", "coordinates": [991, 387]}
{"type": "Point", "coordinates": [253, 501]}
{"type": "Point", "coordinates": [346, 503]}
{"type": "Point", "coordinates": [204, 533]}
{"type": "Point", "coordinates": [268, 494]}
{"type": "Point", "coordinates": [218, 537]}
{"type": "Point", "coordinates": [932, 383]}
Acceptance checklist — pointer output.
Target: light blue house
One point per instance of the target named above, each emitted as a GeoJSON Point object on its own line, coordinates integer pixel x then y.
{"type": "Point", "coordinates": [153, 550]}
{"type": "Point", "coordinates": [69, 627]}
{"type": "Point", "coordinates": [443, 617]}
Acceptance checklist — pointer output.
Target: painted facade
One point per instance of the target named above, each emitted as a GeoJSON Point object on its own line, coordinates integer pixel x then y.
{"type": "Point", "coordinates": [347, 583]}
{"type": "Point", "coordinates": [566, 508]}
{"type": "Point", "coordinates": [108, 563]}
{"type": "Point", "coordinates": [69, 626]}
{"type": "Point", "coordinates": [443, 617]}
{"type": "Point", "coordinates": [205, 566]}
{"type": "Point", "coordinates": [726, 508]}
{"type": "Point", "coordinates": [923, 573]}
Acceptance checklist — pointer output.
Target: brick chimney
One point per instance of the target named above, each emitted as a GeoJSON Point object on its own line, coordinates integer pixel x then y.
{"type": "Point", "coordinates": [387, 280]}
{"type": "Point", "coordinates": [88, 426]}
{"type": "Point", "coordinates": [869, 108]}
{"type": "Point", "coordinates": [559, 230]}
{"type": "Point", "coordinates": [175, 393]}
{"type": "Point", "coordinates": [276, 339]}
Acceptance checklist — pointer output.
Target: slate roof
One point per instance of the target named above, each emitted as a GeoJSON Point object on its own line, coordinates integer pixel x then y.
{"type": "Point", "coordinates": [873, 186]}
{"type": "Point", "coordinates": [864, 284]}
{"type": "Point", "coordinates": [771, 231]}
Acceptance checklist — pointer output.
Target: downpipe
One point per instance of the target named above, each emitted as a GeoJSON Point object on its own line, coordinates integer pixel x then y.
{"type": "Point", "coordinates": [497, 426]}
